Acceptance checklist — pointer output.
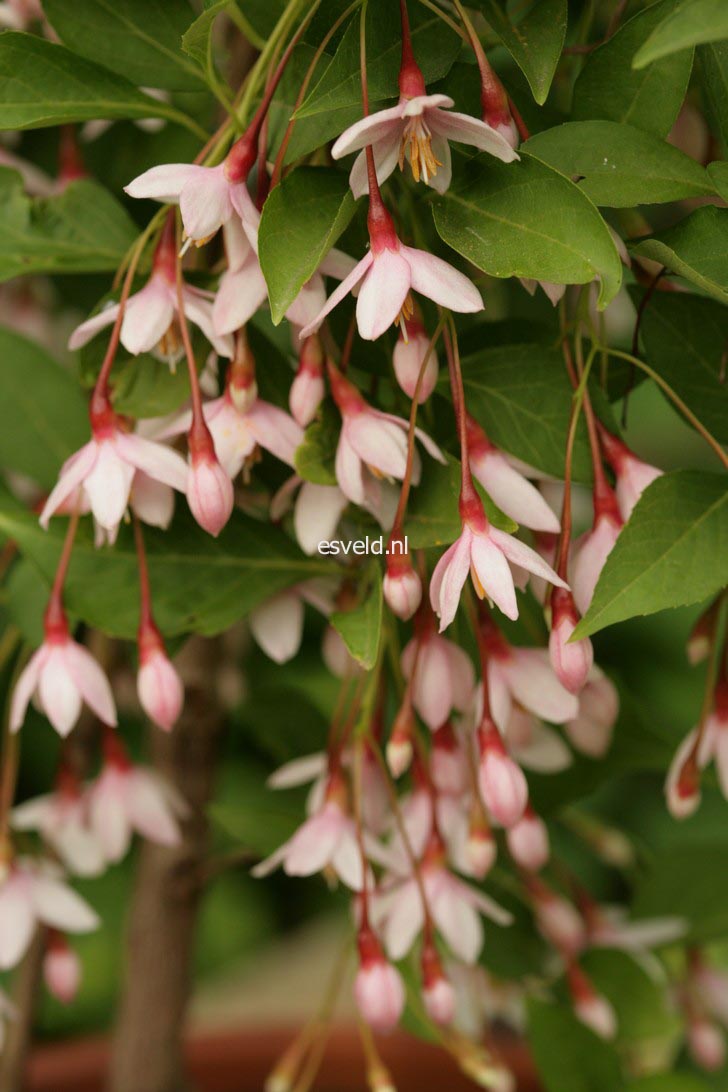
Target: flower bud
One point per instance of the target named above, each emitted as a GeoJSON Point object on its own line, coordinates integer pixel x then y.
{"type": "Point", "coordinates": [682, 785]}
{"type": "Point", "coordinates": [159, 687]}
{"type": "Point", "coordinates": [61, 968]}
{"type": "Point", "coordinates": [407, 359]}
{"type": "Point", "coordinates": [448, 765]}
{"type": "Point", "coordinates": [589, 1006]}
{"type": "Point", "coordinates": [402, 586]}
{"type": "Point", "coordinates": [594, 547]}
{"type": "Point", "coordinates": [558, 920]}
{"type": "Point", "coordinates": [480, 848]}
{"type": "Point", "coordinates": [209, 489]}
{"type": "Point", "coordinates": [307, 389]}
{"type": "Point", "coordinates": [528, 841]}
{"type": "Point", "coordinates": [378, 987]}
{"type": "Point", "coordinates": [437, 993]}
{"type": "Point", "coordinates": [502, 782]}
{"type": "Point", "coordinates": [241, 383]}
{"type": "Point", "coordinates": [571, 660]}
{"type": "Point", "coordinates": [707, 1044]}
{"type": "Point", "coordinates": [399, 747]}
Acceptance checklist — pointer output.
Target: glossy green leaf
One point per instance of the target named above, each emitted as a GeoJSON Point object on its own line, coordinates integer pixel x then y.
{"type": "Point", "coordinates": [691, 23]}
{"type": "Point", "coordinates": [569, 1056]}
{"type": "Point", "coordinates": [84, 229]}
{"type": "Point", "coordinates": [719, 174]}
{"type": "Point", "coordinates": [712, 66]}
{"type": "Point", "coordinates": [302, 219]}
{"type": "Point", "coordinates": [527, 220]}
{"type": "Point", "coordinates": [197, 39]}
{"type": "Point", "coordinates": [685, 339]}
{"type": "Point", "coordinates": [696, 248]}
{"type": "Point", "coordinates": [690, 882]}
{"type": "Point", "coordinates": [435, 47]}
{"type": "Point", "coordinates": [200, 584]}
{"type": "Point", "coordinates": [314, 458]}
{"type": "Point", "coordinates": [670, 1082]}
{"type": "Point", "coordinates": [140, 39]}
{"type": "Point", "coordinates": [259, 18]}
{"type": "Point", "coordinates": [535, 41]}
{"type": "Point", "coordinates": [649, 98]}
{"type": "Point", "coordinates": [620, 166]}
{"type": "Point", "coordinates": [673, 551]}
{"type": "Point", "coordinates": [43, 414]}
{"type": "Point", "coordinates": [42, 83]}
{"type": "Point", "coordinates": [361, 627]}
{"type": "Point", "coordinates": [433, 518]}
{"type": "Point", "coordinates": [521, 396]}
{"type": "Point", "coordinates": [640, 1002]}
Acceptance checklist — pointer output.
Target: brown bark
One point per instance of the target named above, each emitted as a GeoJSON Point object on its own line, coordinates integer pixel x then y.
{"type": "Point", "coordinates": [19, 1031]}
{"type": "Point", "coordinates": [147, 1051]}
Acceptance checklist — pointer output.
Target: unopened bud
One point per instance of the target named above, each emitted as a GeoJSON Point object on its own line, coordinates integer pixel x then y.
{"type": "Point", "coordinates": [307, 389]}
{"type": "Point", "coordinates": [159, 687]}
{"type": "Point", "coordinates": [378, 987]}
{"type": "Point", "coordinates": [241, 383]}
{"type": "Point", "coordinates": [61, 969]}
{"type": "Point", "coordinates": [402, 586]}
{"type": "Point", "coordinates": [571, 660]}
{"type": "Point", "coordinates": [209, 489]}
{"type": "Point", "coordinates": [528, 841]}
{"type": "Point", "coordinates": [707, 1044]}
{"type": "Point", "coordinates": [399, 747]}
{"type": "Point", "coordinates": [480, 849]}
{"type": "Point", "coordinates": [502, 782]}
{"type": "Point", "coordinates": [408, 358]}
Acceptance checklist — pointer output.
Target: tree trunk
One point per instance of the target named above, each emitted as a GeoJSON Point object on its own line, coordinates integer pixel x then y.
{"type": "Point", "coordinates": [147, 1050]}
{"type": "Point", "coordinates": [20, 1030]}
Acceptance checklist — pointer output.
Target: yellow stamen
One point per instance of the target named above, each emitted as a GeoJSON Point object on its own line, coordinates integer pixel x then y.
{"type": "Point", "coordinates": [479, 589]}
{"type": "Point", "coordinates": [416, 146]}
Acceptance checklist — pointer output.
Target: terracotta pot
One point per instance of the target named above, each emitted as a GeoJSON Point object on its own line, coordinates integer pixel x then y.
{"type": "Point", "coordinates": [240, 1062]}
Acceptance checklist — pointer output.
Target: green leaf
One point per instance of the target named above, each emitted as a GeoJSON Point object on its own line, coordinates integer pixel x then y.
{"type": "Point", "coordinates": [713, 69]}
{"type": "Point", "coordinates": [302, 219]}
{"type": "Point", "coordinates": [696, 248]}
{"type": "Point", "coordinates": [527, 220]}
{"type": "Point", "coordinates": [609, 87]}
{"type": "Point", "coordinates": [691, 882]}
{"type": "Point", "coordinates": [260, 18]}
{"type": "Point", "coordinates": [197, 39]}
{"type": "Point", "coordinates": [43, 84]}
{"type": "Point", "coordinates": [433, 518]}
{"type": "Point", "coordinates": [673, 551]}
{"type": "Point", "coordinates": [719, 173]}
{"type": "Point", "coordinates": [199, 584]}
{"type": "Point", "coordinates": [140, 39]}
{"type": "Point", "coordinates": [84, 229]}
{"type": "Point", "coordinates": [618, 165]}
{"type": "Point", "coordinates": [535, 41]}
{"type": "Point", "coordinates": [435, 47]}
{"type": "Point", "coordinates": [569, 1056]}
{"type": "Point", "coordinates": [361, 628]}
{"type": "Point", "coordinates": [521, 396]}
{"type": "Point", "coordinates": [670, 1082]}
{"type": "Point", "coordinates": [314, 457]}
{"type": "Point", "coordinates": [685, 339]}
{"type": "Point", "coordinates": [640, 1002]}
{"type": "Point", "coordinates": [260, 819]}
{"type": "Point", "coordinates": [691, 23]}
{"type": "Point", "coordinates": [43, 415]}
{"type": "Point", "coordinates": [145, 387]}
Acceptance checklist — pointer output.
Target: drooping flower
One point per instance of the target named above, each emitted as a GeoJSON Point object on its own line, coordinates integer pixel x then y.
{"type": "Point", "coordinates": [571, 660]}
{"type": "Point", "coordinates": [316, 511]}
{"type": "Point", "coordinates": [387, 274]}
{"type": "Point", "coordinates": [528, 841]}
{"type": "Point", "coordinates": [706, 1042]}
{"type": "Point", "coordinates": [557, 919]}
{"type": "Point", "coordinates": [277, 624]}
{"type": "Point", "coordinates": [525, 676]}
{"type": "Point", "coordinates": [590, 731]}
{"type": "Point", "coordinates": [444, 675]}
{"type": "Point", "coordinates": [378, 987]}
{"type": "Point", "coordinates": [103, 470]}
{"type": "Point", "coordinates": [633, 476]}
{"type": "Point", "coordinates": [402, 586]}
{"type": "Point", "coordinates": [371, 442]}
{"type": "Point", "coordinates": [61, 819]}
{"type": "Point", "coordinates": [502, 783]}
{"type": "Point", "coordinates": [33, 893]}
{"type": "Point", "coordinates": [507, 486]}
{"type": "Point", "coordinates": [438, 994]}
{"type": "Point", "coordinates": [533, 744]}
{"type": "Point", "coordinates": [126, 798]}
{"type": "Point", "coordinates": [592, 549]}
{"type": "Point", "coordinates": [307, 389]}
{"type": "Point", "coordinates": [160, 689]}
{"type": "Point", "coordinates": [590, 1007]}
{"type": "Point", "coordinates": [418, 129]}
{"type": "Point", "coordinates": [484, 552]}
{"type": "Point", "coordinates": [408, 357]}
{"type": "Point", "coordinates": [455, 906]}
{"type": "Point", "coordinates": [150, 315]}
{"type": "Point", "coordinates": [62, 675]}
{"type": "Point", "coordinates": [61, 968]}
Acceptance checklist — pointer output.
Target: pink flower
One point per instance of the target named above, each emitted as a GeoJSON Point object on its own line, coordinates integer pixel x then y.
{"type": "Point", "coordinates": [454, 904]}
{"type": "Point", "coordinates": [307, 389]}
{"type": "Point", "coordinates": [33, 894]}
{"type": "Point", "coordinates": [535, 745]}
{"type": "Point", "coordinates": [510, 490]}
{"type": "Point", "coordinates": [209, 492]}
{"type": "Point", "coordinates": [127, 798]}
{"type": "Point", "coordinates": [371, 441]}
{"type": "Point", "coordinates": [160, 689]}
{"type": "Point", "coordinates": [61, 968]}
{"type": "Point", "coordinates": [402, 586]}
{"type": "Point", "coordinates": [316, 512]}
{"type": "Point", "coordinates": [418, 129]}
{"type": "Point", "coordinates": [444, 676]}
{"type": "Point", "coordinates": [437, 992]}
{"type": "Point", "coordinates": [378, 987]}
{"type": "Point", "coordinates": [695, 753]}
{"type": "Point", "coordinates": [633, 476]}
{"type": "Point", "coordinates": [589, 1006]}
{"type": "Point", "coordinates": [409, 353]}
{"type": "Point", "coordinates": [502, 783]}
{"type": "Point", "coordinates": [593, 548]}
{"type": "Point", "coordinates": [528, 841]}
{"type": "Point", "coordinates": [448, 761]}
{"type": "Point", "coordinates": [608, 927]}
{"type": "Point", "coordinates": [149, 318]}
{"type": "Point", "coordinates": [387, 274]}
{"type": "Point", "coordinates": [571, 660]}
{"type": "Point", "coordinates": [277, 624]}
{"type": "Point", "coordinates": [558, 920]}
{"type": "Point", "coordinates": [19, 14]}
{"type": "Point", "coordinates": [61, 819]}
{"type": "Point", "coordinates": [484, 552]}
{"type": "Point", "coordinates": [325, 840]}
{"type": "Point", "coordinates": [590, 731]}
{"type": "Point", "coordinates": [525, 676]}
{"type": "Point", "coordinates": [104, 469]}
{"type": "Point", "coordinates": [61, 675]}
{"type": "Point", "coordinates": [707, 1043]}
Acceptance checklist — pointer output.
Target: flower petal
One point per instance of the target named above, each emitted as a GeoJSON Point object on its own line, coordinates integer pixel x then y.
{"type": "Point", "coordinates": [382, 294]}
{"type": "Point", "coordinates": [468, 130]}
{"type": "Point", "coordinates": [494, 573]}
{"type": "Point", "coordinates": [369, 130]}
{"type": "Point", "coordinates": [91, 681]}
{"type": "Point", "coordinates": [339, 293]}
{"type": "Point", "coordinates": [163, 183]}
{"type": "Point", "coordinates": [88, 329]}
{"type": "Point", "coordinates": [277, 626]}
{"type": "Point", "coordinates": [441, 282]}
